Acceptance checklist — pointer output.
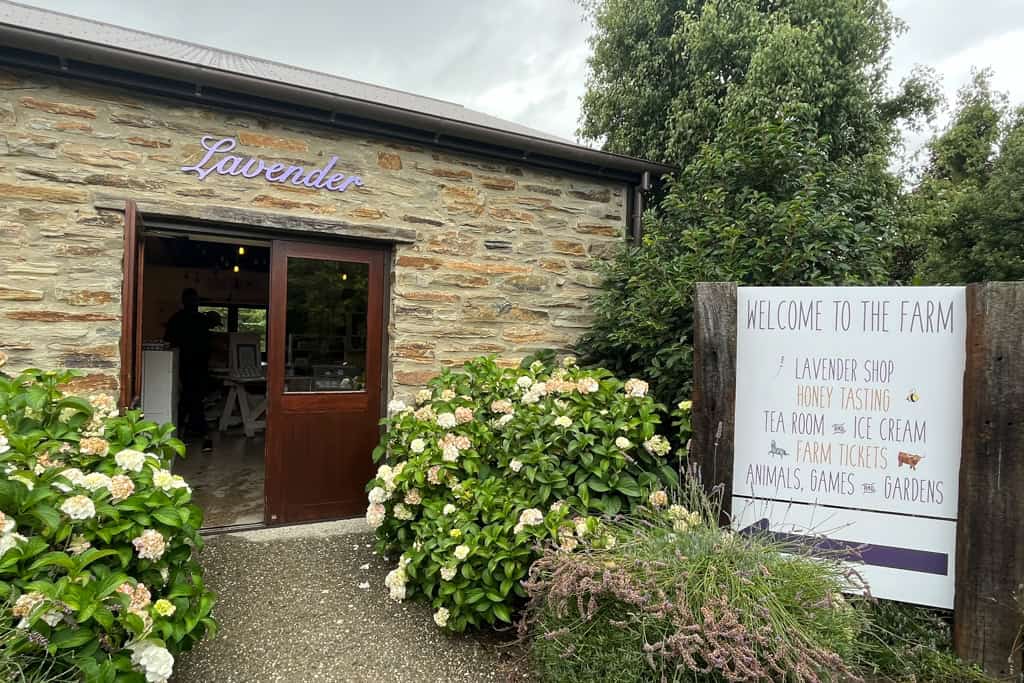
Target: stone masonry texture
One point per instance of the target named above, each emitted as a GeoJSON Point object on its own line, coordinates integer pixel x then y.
{"type": "Point", "coordinates": [503, 261]}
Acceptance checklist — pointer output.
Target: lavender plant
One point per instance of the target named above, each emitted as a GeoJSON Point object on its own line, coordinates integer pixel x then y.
{"type": "Point", "coordinates": [675, 598]}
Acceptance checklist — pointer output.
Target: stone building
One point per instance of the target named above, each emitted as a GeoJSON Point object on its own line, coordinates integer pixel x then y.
{"type": "Point", "coordinates": [133, 167]}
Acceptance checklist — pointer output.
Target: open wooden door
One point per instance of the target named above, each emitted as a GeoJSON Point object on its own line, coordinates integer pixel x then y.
{"type": "Point", "coordinates": [323, 379]}
{"type": "Point", "coordinates": [131, 308]}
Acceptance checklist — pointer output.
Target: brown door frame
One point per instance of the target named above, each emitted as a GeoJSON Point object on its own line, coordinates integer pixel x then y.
{"type": "Point", "coordinates": [278, 402]}
{"type": "Point", "coordinates": [130, 376]}
{"type": "Point", "coordinates": [133, 266]}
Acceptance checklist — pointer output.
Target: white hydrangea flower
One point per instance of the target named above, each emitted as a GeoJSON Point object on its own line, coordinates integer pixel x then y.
{"type": "Point", "coordinates": [531, 397]}
{"type": "Point", "coordinates": [563, 421]}
{"type": "Point", "coordinates": [623, 443]}
{"type": "Point", "coordinates": [448, 509]}
{"type": "Point", "coordinates": [587, 385]}
{"type": "Point", "coordinates": [378, 495]}
{"type": "Point", "coordinates": [417, 446]}
{"type": "Point", "coordinates": [403, 513]}
{"type": "Point", "coordinates": [446, 420]}
{"type": "Point", "coordinates": [568, 361]}
{"type": "Point", "coordinates": [448, 573]}
{"type": "Point", "coordinates": [524, 382]}
{"type": "Point", "coordinates": [9, 541]}
{"type": "Point", "coordinates": [461, 552]}
{"type": "Point", "coordinates": [153, 660]}
{"type": "Point", "coordinates": [79, 507]}
{"type": "Point", "coordinates": [505, 419]}
{"type": "Point", "coordinates": [441, 616]}
{"type": "Point", "coordinates": [422, 396]}
{"type": "Point", "coordinates": [447, 395]}
{"type": "Point", "coordinates": [130, 460]}
{"type": "Point", "coordinates": [5, 445]}
{"type": "Point", "coordinates": [515, 465]}
{"type": "Point", "coordinates": [396, 406]}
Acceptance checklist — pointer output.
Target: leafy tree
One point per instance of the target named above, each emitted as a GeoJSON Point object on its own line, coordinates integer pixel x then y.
{"type": "Point", "coordinates": [965, 220]}
{"type": "Point", "coordinates": [777, 116]}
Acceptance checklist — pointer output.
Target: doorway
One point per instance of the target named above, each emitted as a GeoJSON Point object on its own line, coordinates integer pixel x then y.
{"type": "Point", "coordinates": [204, 343]}
{"type": "Point", "coordinates": [292, 390]}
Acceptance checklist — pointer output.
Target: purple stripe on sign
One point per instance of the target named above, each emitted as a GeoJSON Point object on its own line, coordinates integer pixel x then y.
{"type": "Point", "coordinates": [907, 559]}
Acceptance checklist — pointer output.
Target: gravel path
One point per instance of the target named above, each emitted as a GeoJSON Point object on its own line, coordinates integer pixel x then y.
{"type": "Point", "coordinates": [291, 609]}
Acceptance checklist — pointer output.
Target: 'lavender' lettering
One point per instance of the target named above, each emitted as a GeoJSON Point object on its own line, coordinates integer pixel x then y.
{"type": "Point", "coordinates": [230, 164]}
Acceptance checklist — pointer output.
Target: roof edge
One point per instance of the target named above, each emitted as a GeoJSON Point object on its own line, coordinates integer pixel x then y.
{"type": "Point", "coordinates": [72, 56]}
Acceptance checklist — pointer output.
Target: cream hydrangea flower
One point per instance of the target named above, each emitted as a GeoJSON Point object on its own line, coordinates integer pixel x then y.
{"type": "Point", "coordinates": [417, 446]}
{"type": "Point", "coordinates": [426, 414]}
{"type": "Point", "coordinates": [448, 572]}
{"type": "Point", "coordinates": [79, 507]}
{"type": "Point", "coordinates": [658, 499]}
{"type": "Point", "coordinates": [378, 495]}
{"type": "Point", "coordinates": [463, 415]}
{"type": "Point", "coordinates": [563, 421]}
{"type": "Point", "coordinates": [396, 406]}
{"type": "Point", "coordinates": [446, 420]}
{"type": "Point", "coordinates": [74, 475]}
{"type": "Point", "coordinates": [657, 445]}
{"type": "Point", "coordinates": [587, 385]}
{"type": "Point", "coordinates": [150, 545]}
{"type": "Point", "coordinates": [461, 552]}
{"type": "Point", "coordinates": [450, 452]}
{"type": "Point", "coordinates": [153, 660]}
{"type": "Point", "coordinates": [395, 583]}
{"type": "Point", "coordinates": [441, 616]}
{"type": "Point", "coordinates": [79, 544]}
{"type": "Point", "coordinates": [5, 445]}
{"type": "Point", "coordinates": [447, 395]}
{"type": "Point", "coordinates": [623, 443]}
{"type": "Point", "coordinates": [413, 497]}
{"type": "Point", "coordinates": [568, 361]}
{"type": "Point", "coordinates": [448, 509]}
{"type": "Point", "coordinates": [403, 513]}
{"type": "Point", "coordinates": [524, 382]}
{"type": "Point", "coordinates": [95, 481]}
{"type": "Point", "coordinates": [515, 465]}
{"type": "Point", "coordinates": [121, 486]}
{"type": "Point", "coordinates": [422, 396]}
{"type": "Point", "coordinates": [529, 517]}
{"type": "Point", "coordinates": [130, 460]}
{"type": "Point", "coordinates": [94, 445]}
{"type": "Point", "coordinates": [501, 405]}
{"type": "Point", "coordinates": [636, 388]}
{"type": "Point", "coordinates": [505, 419]}
{"type": "Point", "coordinates": [375, 515]}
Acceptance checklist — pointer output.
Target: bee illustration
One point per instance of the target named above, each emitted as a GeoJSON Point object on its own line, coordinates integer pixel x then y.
{"type": "Point", "coordinates": [913, 396]}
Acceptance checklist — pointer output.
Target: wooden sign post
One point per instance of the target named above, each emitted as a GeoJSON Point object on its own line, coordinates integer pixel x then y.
{"type": "Point", "coordinates": [990, 531]}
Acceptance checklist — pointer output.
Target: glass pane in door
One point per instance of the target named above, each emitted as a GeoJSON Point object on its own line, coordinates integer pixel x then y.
{"type": "Point", "coordinates": [325, 326]}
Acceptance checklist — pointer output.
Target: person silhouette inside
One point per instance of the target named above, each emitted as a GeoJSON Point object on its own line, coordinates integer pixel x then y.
{"type": "Point", "coordinates": [188, 330]}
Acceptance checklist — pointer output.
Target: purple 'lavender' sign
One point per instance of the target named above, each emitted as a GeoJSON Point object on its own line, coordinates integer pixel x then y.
{"type": "Point", "coordinates": [230, 164]}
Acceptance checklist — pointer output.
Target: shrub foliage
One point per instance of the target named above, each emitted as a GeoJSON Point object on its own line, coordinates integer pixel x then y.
{"type": "Point", "coordinates": [492, 461]}
{"type": "Point", "coordinates": [98, 537]}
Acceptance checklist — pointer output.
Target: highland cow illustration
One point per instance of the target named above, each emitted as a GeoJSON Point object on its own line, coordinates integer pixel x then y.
{"type": "Point", "coordinates": [908, 459]}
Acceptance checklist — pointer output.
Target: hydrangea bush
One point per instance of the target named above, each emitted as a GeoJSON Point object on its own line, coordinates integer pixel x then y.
{"type": "Point", "coordinates": [491, 462]}
{"type": "Point", "coordinates": [97, 537]}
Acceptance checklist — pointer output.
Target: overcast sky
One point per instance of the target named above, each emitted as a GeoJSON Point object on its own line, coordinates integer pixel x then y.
{"type": "Point", "coordinates": [523, 60]}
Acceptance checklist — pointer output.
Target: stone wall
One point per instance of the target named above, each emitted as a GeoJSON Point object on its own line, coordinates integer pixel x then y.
{"type": "Point", "coordinates": [502, 262]}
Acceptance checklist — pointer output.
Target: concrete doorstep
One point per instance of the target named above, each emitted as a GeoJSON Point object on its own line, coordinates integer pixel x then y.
{"type": "Point", "coordinates": [308, 603]}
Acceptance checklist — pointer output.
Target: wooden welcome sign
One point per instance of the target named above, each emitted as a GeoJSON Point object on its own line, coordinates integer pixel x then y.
{"type": "Point", "coordinates": [883, 424]}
